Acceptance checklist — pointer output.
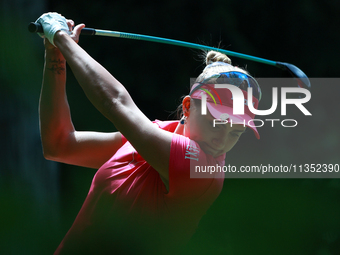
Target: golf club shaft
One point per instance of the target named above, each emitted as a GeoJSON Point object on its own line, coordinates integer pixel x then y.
{"type": "Point", "coordinates": [302, 78]}
{"type": "Point", "coordinates": [36, 27]}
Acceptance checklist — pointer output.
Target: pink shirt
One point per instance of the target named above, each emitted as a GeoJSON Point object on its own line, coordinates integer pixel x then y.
{"type": "Point", "coordinates": [128, 200]}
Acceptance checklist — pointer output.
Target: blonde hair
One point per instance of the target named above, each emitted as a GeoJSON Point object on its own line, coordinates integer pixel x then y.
{"type": "Point", "coordinates": [212, 57]}
{"type": "Point", "coordinates": [222, 64]}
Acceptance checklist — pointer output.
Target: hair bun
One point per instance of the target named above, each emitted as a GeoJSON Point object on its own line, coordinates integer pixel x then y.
{"type": "Point", "coordinates": [214, 56]}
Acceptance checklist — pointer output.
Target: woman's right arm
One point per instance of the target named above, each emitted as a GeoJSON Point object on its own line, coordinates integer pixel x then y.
{"type": "Point", "coordinates": [60, 141]}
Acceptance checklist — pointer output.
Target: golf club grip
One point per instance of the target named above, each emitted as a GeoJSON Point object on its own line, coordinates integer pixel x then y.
{"type": "Point", "coordinates": [37, 28]}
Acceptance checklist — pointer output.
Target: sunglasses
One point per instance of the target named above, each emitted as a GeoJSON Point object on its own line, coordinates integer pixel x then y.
{"type": "Point", "coordinates": [238, 79]}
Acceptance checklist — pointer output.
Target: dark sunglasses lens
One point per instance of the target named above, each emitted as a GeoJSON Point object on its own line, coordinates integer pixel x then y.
{"type": "Point", "coordinates": [240, 80]}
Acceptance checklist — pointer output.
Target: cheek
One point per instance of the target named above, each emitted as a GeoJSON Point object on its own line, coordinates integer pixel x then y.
{"type": "Point", "coordinates": [199, 130]}
{"type": "Point", "coordinates": [231, 143]}
{"type": "Point", "coordinates": [196, 132]}
{"type": "Point", "coordinates": [229, 146]}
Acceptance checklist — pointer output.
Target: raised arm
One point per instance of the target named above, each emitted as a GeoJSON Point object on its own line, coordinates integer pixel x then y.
{"type": "Point", "coordinates": [111, 98]}
{"type": "Point", "coordinates": [60, 141]}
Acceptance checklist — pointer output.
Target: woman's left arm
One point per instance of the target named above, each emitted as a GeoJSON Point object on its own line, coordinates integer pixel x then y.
{"type": "Point", "coordinates": [111, 98]}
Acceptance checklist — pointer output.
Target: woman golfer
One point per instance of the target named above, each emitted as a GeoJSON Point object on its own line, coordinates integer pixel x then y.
{"type": "Point", "coordinates": [142, 199]}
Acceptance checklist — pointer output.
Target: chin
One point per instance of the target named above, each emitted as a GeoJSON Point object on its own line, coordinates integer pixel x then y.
{"type": "Point", "coordinates": [210, 150]}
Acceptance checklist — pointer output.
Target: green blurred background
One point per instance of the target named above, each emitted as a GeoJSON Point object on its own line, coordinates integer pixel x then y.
{"type": "Point", "coordinates": [39, 199]}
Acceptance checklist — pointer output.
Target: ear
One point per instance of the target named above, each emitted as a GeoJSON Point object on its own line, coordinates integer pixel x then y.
{"type": "Point", "coordinates": [186, 106]}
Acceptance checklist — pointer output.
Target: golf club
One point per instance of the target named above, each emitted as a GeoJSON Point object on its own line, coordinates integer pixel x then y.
{"type": "Point", "coordinates": [301, 77]}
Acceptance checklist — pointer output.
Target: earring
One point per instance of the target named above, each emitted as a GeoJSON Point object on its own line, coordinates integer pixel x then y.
{"type": "Point", "coordinates": [183, 120]}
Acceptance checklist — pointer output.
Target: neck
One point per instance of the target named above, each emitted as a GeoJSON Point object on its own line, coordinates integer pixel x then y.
{"type": "Point", "coordinates": [179, 129]}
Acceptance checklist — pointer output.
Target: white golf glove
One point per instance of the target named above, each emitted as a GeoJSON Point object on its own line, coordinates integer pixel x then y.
{"type": "Point", "coordinates": [52, 22]}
